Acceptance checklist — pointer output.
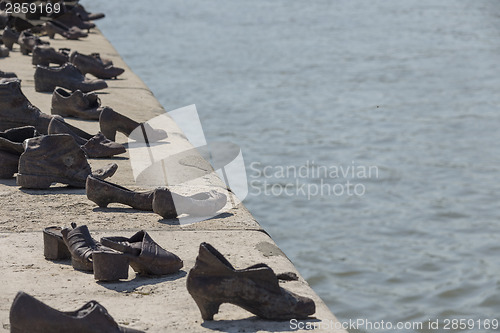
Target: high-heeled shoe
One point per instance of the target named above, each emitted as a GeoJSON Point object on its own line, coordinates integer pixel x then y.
{"type": "Point", "coordinates": [29, 315]}
{"type": "Point", "coordinates": [213, 281]}
{"type": "Point", "coordinates": [144, 254]}
{"type": "Point", "coordinates": [56, 158]}
{"type": "Point", "coordinates": [90, 64]}
{"type": "Point", "coordinates": [103, 193]}
{"type": "Point", "coordinates": [111, 122]}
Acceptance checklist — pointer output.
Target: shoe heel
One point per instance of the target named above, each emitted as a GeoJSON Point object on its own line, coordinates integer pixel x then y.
{"type": "Point", "coordinates": [32, 181]}
{"type": "Point", "coordinates": [54, 247]}
{"type": "Point", "coordinates": [207, 308]}
{"type": "Point", "coordinates": [110, 266]}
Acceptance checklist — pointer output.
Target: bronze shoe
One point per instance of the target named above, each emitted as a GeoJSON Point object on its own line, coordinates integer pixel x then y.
{"type": "Point", "coordinates": [76, 104]}
{"type": "Point", "coordinates": [55, 158]}
{"type": "Point", "coordinates": [213, 281]}
{"type": "Point", "coordinates": [29, 315]}
{"type": "Point", "coordinates": [45, 55]}
{"type": "Point", "coordinates": [92, 65]}
{"type": "Point", "coordinates": [144, 254]}
{"type": "Point", "coordinates": [66, 76]}
{"type": "Point", "coordinates": [11, 147]}
{"type": "Point", "coordinates": [111, 122]}
{"type": "Point", "coordinates": [103, 193]}
{"type": "Point", "coordinates": [53, 27]}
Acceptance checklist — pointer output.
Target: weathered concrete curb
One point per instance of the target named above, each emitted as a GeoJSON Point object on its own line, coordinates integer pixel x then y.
{"type": "Point", "coordinates": [159, 304]}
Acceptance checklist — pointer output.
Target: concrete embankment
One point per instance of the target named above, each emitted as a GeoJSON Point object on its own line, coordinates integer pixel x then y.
{"type": "Point", "coordinates": [154, 304]}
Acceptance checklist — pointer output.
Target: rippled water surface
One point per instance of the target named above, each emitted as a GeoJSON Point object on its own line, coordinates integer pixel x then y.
{"type": "Point", "coordinates": [410, 87]}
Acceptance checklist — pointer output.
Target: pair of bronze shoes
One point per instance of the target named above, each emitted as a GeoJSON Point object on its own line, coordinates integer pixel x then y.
{"type": "Point", "coordinates": [160, 200]}
{"type": "Point", "coordinates": [92, 64]}
{"type": "Point", "coordinates": [109, 259]}
{"type": "Point", "coordinates": [29, 315]}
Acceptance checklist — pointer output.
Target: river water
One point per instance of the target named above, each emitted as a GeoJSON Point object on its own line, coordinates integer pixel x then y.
{"type": "Point", "coordinates": [369, 131]}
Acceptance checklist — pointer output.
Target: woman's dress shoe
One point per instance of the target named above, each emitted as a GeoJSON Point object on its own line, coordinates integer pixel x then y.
{"type": "Point", "coordinates": [103, 193]}
{"type": "Point", "coordinates": [213, 281]}
{"type": "Point", "coordinates": [111, 122]}
{"type": "Point", "coordinates": [92, 65]}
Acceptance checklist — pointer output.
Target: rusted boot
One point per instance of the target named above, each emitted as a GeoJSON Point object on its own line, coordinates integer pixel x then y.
{"type": "Point", "coordinates": [16, 110]}
{"type": "Point", "coordinates": [103, 193]}
{"type": "Point", "coordinates": [213, 281]}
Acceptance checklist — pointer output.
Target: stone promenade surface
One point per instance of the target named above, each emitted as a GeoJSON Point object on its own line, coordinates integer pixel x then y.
{"type": "Point", "coordinates": [153, 304]}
